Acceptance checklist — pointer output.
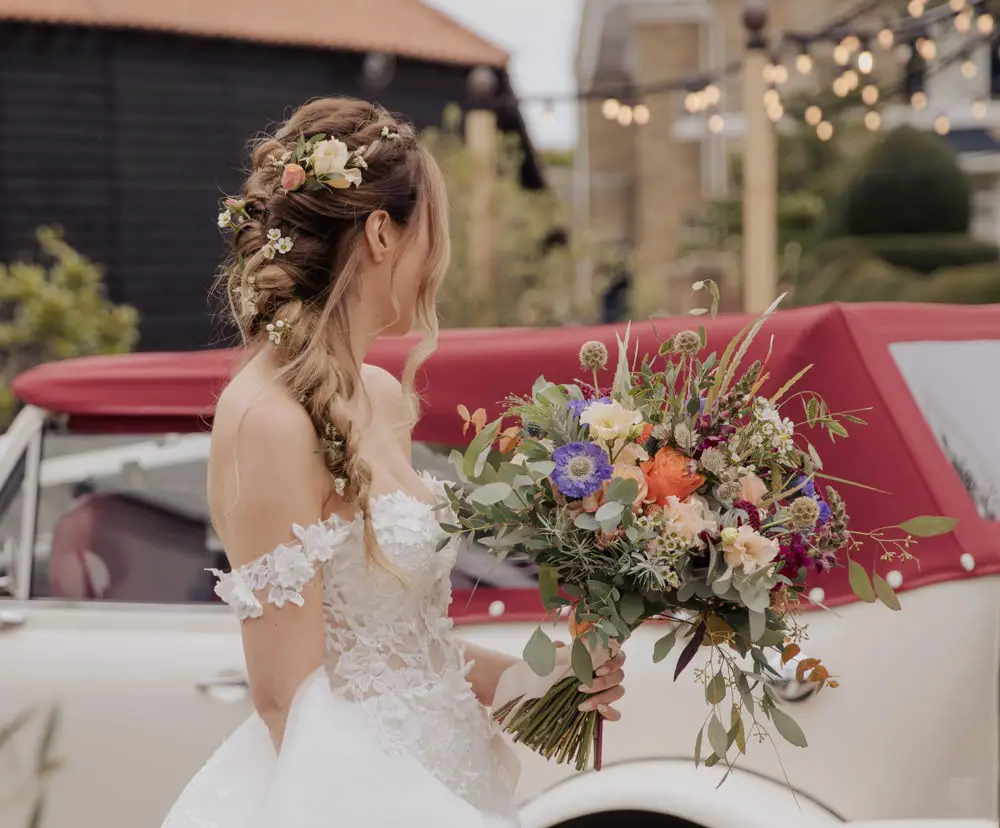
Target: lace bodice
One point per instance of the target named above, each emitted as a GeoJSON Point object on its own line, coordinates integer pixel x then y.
{"type": "Point", "coordinates": [389, 644]}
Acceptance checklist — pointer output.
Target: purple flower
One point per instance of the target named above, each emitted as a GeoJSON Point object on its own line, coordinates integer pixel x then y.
{"type": "Point", "coordinates": [794, 556]}
{"type": "Point", "coordinates": [581, 469]}
{"type": "Point", "coordinates": [807, 487]}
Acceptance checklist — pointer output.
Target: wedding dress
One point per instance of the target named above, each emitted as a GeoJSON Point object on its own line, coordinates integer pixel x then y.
{"type": "Point", "coordinates": [388, 732]}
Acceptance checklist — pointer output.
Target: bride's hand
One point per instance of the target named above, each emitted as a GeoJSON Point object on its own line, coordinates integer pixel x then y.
{"type": "Point", "coordinates": [606, 688]}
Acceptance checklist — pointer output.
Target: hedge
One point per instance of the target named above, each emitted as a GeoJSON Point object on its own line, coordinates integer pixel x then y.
{"type": "Point", "coordinates": [924, 253]}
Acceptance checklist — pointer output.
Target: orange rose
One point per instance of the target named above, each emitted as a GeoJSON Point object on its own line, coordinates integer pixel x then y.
{"type": "Point", "coordinates": [669, 474]}
{"type": "Point", "coordinates": [576, 629]}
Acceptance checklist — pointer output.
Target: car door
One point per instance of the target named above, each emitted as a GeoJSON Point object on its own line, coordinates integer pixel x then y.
{"type": "Point", "coordinates": [106, 619]}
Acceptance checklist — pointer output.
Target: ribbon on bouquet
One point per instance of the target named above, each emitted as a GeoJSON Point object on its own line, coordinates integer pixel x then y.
{"type": "Point", "coordinates": [520, 682]}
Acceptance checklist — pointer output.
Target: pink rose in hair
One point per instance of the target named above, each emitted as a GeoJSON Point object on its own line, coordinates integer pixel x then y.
{"type": "Point", "coordinates": [292, 177]}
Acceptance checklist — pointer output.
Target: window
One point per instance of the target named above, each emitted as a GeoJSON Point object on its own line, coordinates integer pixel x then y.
{"type": "Point", "coordinates": [960, 407]}
{"type": "Point", "coordinates": [11, 515]}
{"type": "Point", "coordinates": [126, 519]}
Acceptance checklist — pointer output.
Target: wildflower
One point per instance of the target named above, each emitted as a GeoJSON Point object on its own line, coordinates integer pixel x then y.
{"type": "Point", "coordinates": [749, 550]}
{"type": "Point", "coordinates": [687, 342]}
{"type": "Point", "coordinates": [283, 245]}
{"type": "Point", "coordinates": [807, 487]}
{"type": "Point", "coordinates": [581, 469]}
{"type": "Point", "coordinates": [804, 512]}
{"type": "Point", "coordinates": [593, 355]}
{"type": "Point", "coordinates": [225, 218]}
{"type": "Point", "coordinates": [273, 234]}
{"type": "Point", "coordinates": [610, 421]}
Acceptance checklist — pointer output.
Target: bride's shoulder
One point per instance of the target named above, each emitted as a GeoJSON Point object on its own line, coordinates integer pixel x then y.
{"type": "Point", "coordinates": [380, 382]}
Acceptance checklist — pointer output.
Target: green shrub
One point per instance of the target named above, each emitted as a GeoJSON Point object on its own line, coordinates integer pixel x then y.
{"type": "Point", "coordinates": [924, 253]}
{"type": "Point", "coordinates": [978, 285]}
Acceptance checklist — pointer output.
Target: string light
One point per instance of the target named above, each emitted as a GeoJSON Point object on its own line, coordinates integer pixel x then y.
{"type": "Point", "coordinates": [915, 8]}
{"type": "Point", "coordinates": [969, 69]}
{"type": "Point", "coordinates": [780, 74]}
{"type": "Point", "coordinates": [814, 115]}
{"type": "Point", "coordinates": [942, 124]}
{"type": "Point", "coordinates": [866, 61]}
{"type": "Point", "coordinates": [985, 23]}
{"type": "Point", "coordinates": [851, 43]}
{"type": "Point", "coordinates": [840, 87]}
{"type": "Point", "coordinates": [692, 102]}
{"type": "Point", "coordinates": [918, 100]}
{"type": "Point", "coordinates": [841, 55]}
{"type": "Point", "coordinates": [769, 73]}
{"type": "Point", "coordinates": [716, 123]}
{"type": "Point", "coordinates": [979, 109]}
{"type": "Point", "coordinates": [963, 21]}
{"type": "Point", "coordinates": [851, 79]}
{"type": "Point", "coordinates": [873, 120]}
{"type": "Point", "coordinates": [957, 5]}
{"type": "Point", "coordinates": [776, 112]}
{"type": "Point", "coordinates": [771, 98]}
{"type": "Point", "coordinates": [870, 94]}
{"type": "Point", "coordinates": [610, 107]}
{"type": "Point", "coordinates": [824, 131]}
{"type": "Point", "coordinates": [712, 94]}
{"type": "Point", "coordinates": [927, 48]}
{"type": "Point", "coordinates": [640, 114]}
{"type": "Point", "coordinates": [625, 115]}
{"type": "Point", "coordinates": [804, 63]}
{"type": "Point", "coordinates": [886, 38]}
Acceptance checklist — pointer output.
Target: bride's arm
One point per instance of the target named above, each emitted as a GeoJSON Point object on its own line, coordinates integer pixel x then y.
{"type": "Point", "coordinates": [264, 479]}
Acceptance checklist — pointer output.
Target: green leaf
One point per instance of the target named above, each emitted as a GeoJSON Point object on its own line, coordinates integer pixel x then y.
{"type": "Point", "coordinates": [712, 761]}
{"type": "Point", "coordinates": [586, 521]}
{"type": "Point", "coordinates": [885, 592]}
{"type": "Point", "coordinates": [582, 663]}
{"type": "Point", "coordinates": [715, 691]}
{"type": "Point", "coordinates": [598, 590]}
{"type": "Point", "coordinates": [758, 623]}
{"type": "Point", "coordinates": [540, 653]}
{"type": "Point", "coordinates": [478, 450]}
{"type": "Point", "coordinates": [491, 493]}
{"type": "Point", "coordinates": [744, 687]}
{"type": "Point", "coordinates": [548, 584]}
{"type": "Point", "coordinates": [621, 490]}
{"type": "Point", "coordinates": [632, 608]}
{"type": "Point", "coordinates": [694, 406]}
{"type": "Point", "coordinates": [717, 736]}
{"type": "Point", "coordinates": [663, 646]}
{"type": "Point", "coordinates": [542, 467]}
{"type": "Point", "coordinates": [928, 526]}
{"type": "Point", "coordinates": [697, 748]}
{"type": "Point", "coordinates": [788, 728]}
{"type": "Point", "coordinates": [860, 583]}
{"type": "Point", "coordinates": [609, 513]}
{"type": "Point", "coordinates": [812, 411]}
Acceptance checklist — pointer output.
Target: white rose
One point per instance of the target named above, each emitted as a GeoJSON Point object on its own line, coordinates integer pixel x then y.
{"type": "Point", "coordinates": [748, 549]}
{"type": "Point", "coordinates": [329, 161]}
{"type": "Point", "coordinates": [610, 421]}
{"type": "Point", "coordinates": [690, 518]}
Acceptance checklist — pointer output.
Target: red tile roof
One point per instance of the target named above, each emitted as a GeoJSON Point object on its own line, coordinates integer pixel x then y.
{"type": "Point", "coordinates": [403, 27]}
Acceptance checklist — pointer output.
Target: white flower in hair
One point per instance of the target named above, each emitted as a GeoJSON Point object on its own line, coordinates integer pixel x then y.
{"type": "Point", "coordinates": [389, 134]}
{"type": "Point", "coordinates": [329, 162]}
{"type": "Point", "coordinates": [225, 218]}
{"type": "Point", "coordinates": [267, 251]}
{"type": "Point", "coordinates": [275, 331]}
{"type": "Point", "coordinates": [283, 245]}
{"type": "Point", "coordinates": [273, 234]}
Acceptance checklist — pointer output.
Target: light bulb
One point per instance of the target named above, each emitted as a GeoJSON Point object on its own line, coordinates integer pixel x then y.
{"type": "Point", "coordinates": [927, 48]}
{"type": "Point", "coordinates": [886, 38]}
{"type": "Point", "coordinates": [841, 55]}
{"type": "Point", "coordinates": [963, 21]}
{"type": "Point", "coordinates": [712, 94]}
{"type": "Point", "coordinates": [610, 107]}
{"type": "Point", "coordinates": [851, 80]}
{"type": "Point", "coordinates": [942, 125]}
{"type": "Point", "coordinates": [625, 115]}
{"type": "Point", "coordinates": [692, 102]}
{"type": "Point", "coordinates": [769, 73]}
{"type": "Point", "coordinates": [804, 64]}
{"type": "Point", "coordinates": [969, 69]}
{"type": "Point", "coordinates": [957, 5]}
{"type": "Point", "coordinates": [824, 131]}
{"type": "Point", "coordinates": [851, 43]}
{"type": "Point", "coordinates": [814, 115]}
{"type": "Point", "coordinates": [985, 23]}
{"type": "Point", "coordinates": [870, 94]}
{"type": "Point", "coordinates": [841, 88]}
{"type": "Point", "coordinates": [918, 100]}
{"type": "Point", "coordinates": [716, 123]}
{"type": "Point", "coordinates": [979, 109]}
{"type": "Point", "coordinates": [915, 8]}
{"type": "Point", "coordinates": [780, 74]}
{"type": "Point", "coordinates": [771, 97]}
{"type": "Point", "coordinates": [640, 114]}
{"type": "Point", "coordinates": [873, 120]}
{"type": "Point", "coordinates": [776, 112]}
{"type": "Point", "coordinates": [866, 61]}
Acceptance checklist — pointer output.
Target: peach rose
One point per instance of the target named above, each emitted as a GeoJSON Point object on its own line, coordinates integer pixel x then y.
{"type": "Point", "coordinates": [747, 548]}
{"type": "Point", "coordinates": [631, 455]}
{"type": "Point", "coordinates": [752, 489]}
{"type": "Point", "coordinates": [627, 472]}
{"type": "Point", "coordinates": [669, 474]}
{"type": "Point", "coordinates": [292, 177]}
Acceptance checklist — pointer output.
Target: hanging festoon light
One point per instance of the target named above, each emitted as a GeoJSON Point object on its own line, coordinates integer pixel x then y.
{"type": "Point", "coordinates": [903, 52]}
{"type": "Point", "coordinates": [841, 88]}
{"type": "Point", "coordinates": [610, 107]}
{"type": "Point", "coordinates": [640, 114]}
{"type": "Point", "coordinates": [694, 102]}
{"type": "Point", "coordinates": [852, 43]}
{"type": "Point", "coordinates": [915, 8]}
{"type": "Point", "coordinates": [773, 106]}
{"type": "Point", "coordinates": [803, 61]}
{"type": "Point", "coordinates": [957, 5]}
{"type": "Point", "coordinates": [866, 61]}
{"type": "Point", "coordinates": [769, 72]}
{"type": "Point", "coordinates": [625, 115]}
{"type": "Point", "coordinates": [985, 23]}
{"type": "Point", "coordinates": [942, 124]}
{"type": "Point", "coordinates": [870, 94]}
{"type": "Point", "coordinates": [918, 100]}
{"type": "Point", "coordinates": [979, 109]}
{"type": "Point", "coordinates": [885, 38]}
{"type": "Point", "coordinates": [813, 115]}
{"type": "Point", "coordinates": [969, 68]}
{"type": "Point", "coordinates": [841, 54]}
{"type": "Point", "coordinates": [926, 48]}
{"type": "Point", "coordinates": [716, 123]}
{"type": "Point", "coordinates": [963, 21]}
{"type": "Point", "coordinates": [712, 94]}
{"type": "Point", "coordinates": [873, 120]}
{"type": "Point", "coordinates": [852, 79]}
{"type": "Point", "coordinates": [824, 130]}
{"type": "Point", "coordinates": [780, 74]}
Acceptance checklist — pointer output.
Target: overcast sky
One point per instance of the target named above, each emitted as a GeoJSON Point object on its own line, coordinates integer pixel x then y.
{"type": "Point", "coordinates": [541, 38]}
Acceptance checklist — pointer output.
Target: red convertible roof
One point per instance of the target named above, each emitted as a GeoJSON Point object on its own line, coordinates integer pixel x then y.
{"type": "Point", "coordinates": [848, 344]}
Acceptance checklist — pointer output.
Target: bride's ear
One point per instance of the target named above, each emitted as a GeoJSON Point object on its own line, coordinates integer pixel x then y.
{"type": "Point", "coordinates": [380, 235]}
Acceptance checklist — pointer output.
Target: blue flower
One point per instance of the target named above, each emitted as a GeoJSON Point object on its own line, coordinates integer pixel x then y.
{"type": "Point", "coordinates": [581, 469]}
{"type": "Point", "coordinates": [807, 487]}
{"type": "Point", "coordinates": [577, 407]}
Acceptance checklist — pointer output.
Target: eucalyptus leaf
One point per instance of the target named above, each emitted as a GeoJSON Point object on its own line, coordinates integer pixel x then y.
{"type": "Point", "coordinates": [928, 526]}
{"type": "Point", "coordinates": [540, 653]}
{"type": "Point", "coordinates": [598, 590]}
{"type": "Point", "coordinates": [697, 748]}
{"type": "Point", "coordinates": [885, 593]}
{"type": "Point", "coordinates": [663, 646]}
{"type": "Point", "coordinates": [788, 728]}
{"type": "Point", "coordinates": [745, 693]}
{"type": "Point", "coordinates": [478, 450]}
{"type": "Point", "coordinates": [490, 493]}
{"type": "Point", "coordinates": [717, 736]}
{"type": "Point", "coordinates": [715, 690]}
{"type": "Point", "coordinates": [548, 584]}
{"type": "Point", "coordinates": [543, 468]}
{"type": "Point", "coordinates": [758, 624]}
{"type": "Point", "coordinates": [632, 608]}
{"type": "Point", "coordinates": [861, 585]}
{"type": "Point", "coordinates": [586, 521]}
{"type": "Point", "coordinates": [609, 512]}
{"type": "Point", "coordinates": [621, 490]}
{"type": "Point", "coordinates": [582, 663]}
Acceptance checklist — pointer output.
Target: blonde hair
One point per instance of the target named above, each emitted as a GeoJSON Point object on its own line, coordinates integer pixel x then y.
{"type": "Point", "coordinates": [309, 287]}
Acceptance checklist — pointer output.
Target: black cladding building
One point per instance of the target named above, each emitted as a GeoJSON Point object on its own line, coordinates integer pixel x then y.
{"type": "Point", "coordinates": [124, 122]}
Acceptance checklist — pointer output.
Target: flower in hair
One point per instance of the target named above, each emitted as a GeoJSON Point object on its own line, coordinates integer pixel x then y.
{"type": "Point", "coordinates": [389, 134]}
{"type": "Point", "coordinates": [293, 176]}
{"type": "Point", "coordinates": [233, 213]}
{"type": "Point", "coordinates": [283, 245]}
{"type": "Point", "coordinates": [275, 330]}
{"type": "Point", "coordinates": [334, 165]}
{"type": "Point", "coordinates": [276, 243]}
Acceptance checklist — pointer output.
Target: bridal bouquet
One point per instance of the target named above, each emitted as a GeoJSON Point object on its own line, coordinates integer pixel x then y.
{"type": "Point", "coordinates": [682, 493]}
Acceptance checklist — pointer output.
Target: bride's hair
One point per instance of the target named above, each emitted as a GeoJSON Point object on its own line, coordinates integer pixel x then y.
{"type": "Point", "coordinates": [295, 266]}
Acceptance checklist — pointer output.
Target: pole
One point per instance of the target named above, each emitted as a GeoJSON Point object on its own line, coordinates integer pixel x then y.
{"type": "Point", "coordinates": [481, 140]}
{"type": "Point", "coordinates": [760, 173]}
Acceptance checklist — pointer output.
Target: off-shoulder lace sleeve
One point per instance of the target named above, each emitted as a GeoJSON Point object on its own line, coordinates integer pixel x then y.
{"type": "Point", "coordinates": [283, 572]}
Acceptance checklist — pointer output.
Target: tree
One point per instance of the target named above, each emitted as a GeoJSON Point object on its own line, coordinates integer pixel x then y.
{"type": "Point", "coordinates": [56, 308]}
{"type": "Point", "coordinates": [533, 263]}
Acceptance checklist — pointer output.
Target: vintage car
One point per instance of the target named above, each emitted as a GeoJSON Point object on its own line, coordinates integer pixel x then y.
{"type": "Point", "coordinates": [109, 615]}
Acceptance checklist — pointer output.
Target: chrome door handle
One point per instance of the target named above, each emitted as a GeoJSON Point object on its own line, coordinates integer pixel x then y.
{"type": "Point", "coordinates": [11, 620]}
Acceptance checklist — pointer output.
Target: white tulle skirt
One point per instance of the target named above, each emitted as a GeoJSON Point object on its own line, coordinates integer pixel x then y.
{"type": "Point", "coordinates": [331, 773]}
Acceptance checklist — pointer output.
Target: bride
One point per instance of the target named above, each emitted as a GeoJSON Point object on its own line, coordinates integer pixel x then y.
{"type": "Point", "coordinates": [369, 712]}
